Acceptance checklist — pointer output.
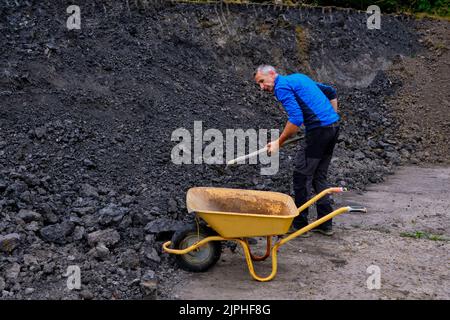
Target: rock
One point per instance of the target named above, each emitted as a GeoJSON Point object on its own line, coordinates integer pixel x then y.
{"type": "Point", "coordinates": [48, 210]}
{"type": "Point", "coordinates": [9, 242]}
{"type": "Point", "coordinates": [89, 164]}
{"type": "Point", "coordinates": [51, 218]}
{"type": "Point", "coordinates": [149, 275]}
{"type": "Point", "coordinates": [86, 295]}
{"type": "Point", "coordinates": [108, 237]}
{"type": "Point", "coordinates": [48, 268]}
{"type": "Point", "coordinates": [103, 190]}
{"type": "Point", "coordinates": [150, 239]}
{"type": "Point", "coordinates": [3, 185]}
{"type": "Point", "coordinates": [89, 221]}
{"type": "Point", "coordinates": [13, 272]}
{"type": "Point", "coordinates": [75, 220]}
{"type": "Point", "coordinates": [29, 215]}
{"type": "Point", "coordinates": [40, 132]}
{"type": "Point", "coordinates": [100, 252]}
{"type": "Point", "coordinates": [129, 259]}
{"type": "Point", "coordinates": [57, 233]}
{"type": "Point", "coordinates": [359, 155]}
{"type": "Point", "coordinates": [392, 156]}
{"type": "Point", "coordinates": [16, 287]}
{"type": "Point", "coordinates": [31, 180]}
{"type": "Point", "coordinates": [125, 225]}
{"type": "Point", "coordinates": [163, 225]}
{"type": "Point", "coordinates": [405, 153]}
{"type": "Point", "coordinates": [127, 200]}
{"type": "Point", "coordinates": [26, 197]}
{"type": "Point", "coordinates": [33, 226]}
{"type": "Point", "coordinates": [156, 211]}
{"type": "Point", "coordinates": [29, 260]}
{"type": "Point", "coordinates": [88, 191]}
{"type": "Point", "coordinates": [83, 211]}
{"type": "Point", "coordinates": [78, 233]}
{"type": "Point", "coordinates": [152, 254]}
{"type": "Point", "coordinates": [29, 291]}
{"type": "Point", "coordinates": [16, 188]}
{"type": "Point", "coordinates": [112, 214]}
{"type": "Point", "coordinates": [2, 284]}
{"type": "Point", "coordinates": [172, 206]}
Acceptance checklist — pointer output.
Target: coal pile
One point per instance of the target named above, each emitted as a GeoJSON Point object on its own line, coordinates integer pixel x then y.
{"type": "Point", "coordinates": [86, 117]}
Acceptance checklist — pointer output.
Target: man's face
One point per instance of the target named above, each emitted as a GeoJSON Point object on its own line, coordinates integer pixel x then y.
{"type": "Point", "coordinates": [266, 81]}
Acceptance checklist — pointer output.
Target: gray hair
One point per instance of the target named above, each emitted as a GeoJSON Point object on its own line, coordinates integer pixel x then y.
{"type": "Point", "coordinates": [264, 69]}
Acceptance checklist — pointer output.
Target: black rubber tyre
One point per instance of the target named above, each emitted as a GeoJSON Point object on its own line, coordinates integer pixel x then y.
{"type": "Point", "coordinates": [202, 258]}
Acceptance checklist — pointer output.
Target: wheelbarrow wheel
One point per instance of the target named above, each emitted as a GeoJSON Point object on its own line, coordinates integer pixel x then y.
{"type": "Point", "coordinates": [202, 258]}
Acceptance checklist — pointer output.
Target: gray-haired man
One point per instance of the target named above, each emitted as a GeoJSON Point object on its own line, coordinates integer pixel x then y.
{"type": "Point", "coordinates": [314, 106]}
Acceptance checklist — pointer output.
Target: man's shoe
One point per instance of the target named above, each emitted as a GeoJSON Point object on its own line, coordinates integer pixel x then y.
{"type": "Point", "coordinates": [325, 231]}
{"type": "Point", "coordinates": [293, 229]}
{"type": "Point", "coordinates": [305, 235]}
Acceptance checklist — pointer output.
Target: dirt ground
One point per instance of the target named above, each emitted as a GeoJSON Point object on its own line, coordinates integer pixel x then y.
{"type": "Point", "coordinates": [414, 201]}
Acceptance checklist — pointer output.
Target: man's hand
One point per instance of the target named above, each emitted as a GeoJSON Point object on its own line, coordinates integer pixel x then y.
{"type": "Point", "coordinates": [334, 103]}
{"type": "Point", "coordinates": [289, 130]}
{"type": "Point", "coordinates": [273, 147]}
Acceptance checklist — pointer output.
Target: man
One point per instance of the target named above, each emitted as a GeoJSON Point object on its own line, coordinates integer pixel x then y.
{"type": "Point", "coordinates": [314, 106]}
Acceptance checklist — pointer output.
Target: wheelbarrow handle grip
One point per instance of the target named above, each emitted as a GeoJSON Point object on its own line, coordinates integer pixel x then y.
{"type": "Point", "coordinates": [338, 189]}
{"type": "Point", "coordinates": [357, 209]}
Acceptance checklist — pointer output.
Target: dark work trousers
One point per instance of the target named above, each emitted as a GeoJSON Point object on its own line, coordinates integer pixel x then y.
{"type": "Point", "coordinates": [311, 168]}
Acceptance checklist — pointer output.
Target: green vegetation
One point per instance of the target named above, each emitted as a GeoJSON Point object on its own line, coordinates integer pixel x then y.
{"type": "Point", "coordinates": [432, 8]}
{"type": "Point", "coordinates": [424, 235]}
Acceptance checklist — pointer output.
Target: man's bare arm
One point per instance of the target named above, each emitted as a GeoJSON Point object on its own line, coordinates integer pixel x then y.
{"type": "Point", "coordinates": [289, 130]}
{"type": "Point", "coordinates": [334, 103]}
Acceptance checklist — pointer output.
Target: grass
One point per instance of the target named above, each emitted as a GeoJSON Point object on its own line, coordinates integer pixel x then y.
{"type": "Point", "coordinates": [424, 235]}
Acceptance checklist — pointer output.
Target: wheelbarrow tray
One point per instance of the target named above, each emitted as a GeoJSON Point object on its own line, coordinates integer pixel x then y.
{"type": "Point", "coordinates": [237, 213]}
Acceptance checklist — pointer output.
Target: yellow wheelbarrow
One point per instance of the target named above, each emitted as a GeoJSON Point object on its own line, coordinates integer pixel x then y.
{"type": "Point", "coordinates": [235, 215]}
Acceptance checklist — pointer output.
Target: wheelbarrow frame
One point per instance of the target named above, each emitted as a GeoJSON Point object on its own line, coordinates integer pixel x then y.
{"type": "Point", "coordinates": [270, 250]}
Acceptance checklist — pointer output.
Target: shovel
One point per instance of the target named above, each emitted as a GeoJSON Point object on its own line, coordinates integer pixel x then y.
{"type": "Point", "coordinates": [254, 154]}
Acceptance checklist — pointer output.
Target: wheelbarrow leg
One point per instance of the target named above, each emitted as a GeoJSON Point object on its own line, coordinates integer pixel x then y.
{"type": "Point", "coordinates": [267, 254]}
{"type": "Point", "coordinates": [193, 247]}
{"type": "Point", "coordinates": [251, 269]}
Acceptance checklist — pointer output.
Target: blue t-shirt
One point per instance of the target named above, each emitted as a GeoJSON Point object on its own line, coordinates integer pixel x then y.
{"type": "Point", "coordinates": [306, 101]}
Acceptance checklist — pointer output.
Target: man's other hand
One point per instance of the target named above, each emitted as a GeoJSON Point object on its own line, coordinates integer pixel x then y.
{"type": "Point", "coordinates": [334, 103]}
